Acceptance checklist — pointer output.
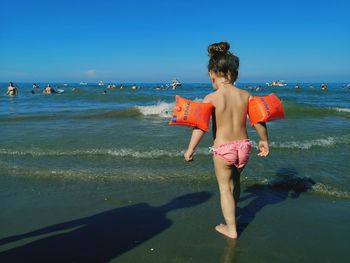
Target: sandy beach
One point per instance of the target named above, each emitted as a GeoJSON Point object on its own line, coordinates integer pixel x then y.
{"type": "Point", "coordinates": [67, 221]}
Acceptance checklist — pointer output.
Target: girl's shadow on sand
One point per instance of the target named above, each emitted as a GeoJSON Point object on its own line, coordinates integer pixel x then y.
{"type": "Point", "coordinates": [286, 185]}
{"type": "Point", "coordinates": [100, 237]}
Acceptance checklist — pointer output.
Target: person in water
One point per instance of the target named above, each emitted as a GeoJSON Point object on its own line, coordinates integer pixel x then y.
{"type": "Point", "coordinates": [49, 89]}
{"type": "Point", "coordinates": [11, 90]}
{"type": "Point", "coordinates": [232, 146]}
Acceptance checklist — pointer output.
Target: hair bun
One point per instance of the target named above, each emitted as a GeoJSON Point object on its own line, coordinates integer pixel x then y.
{"type": "Point", "coordinates": [221, 47]}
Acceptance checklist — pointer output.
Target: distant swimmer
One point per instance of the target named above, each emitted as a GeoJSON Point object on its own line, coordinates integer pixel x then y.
{"type": "Point", "coordinates": [35, 86]}
{"type": "Point", "coordinates": [134, 87]}
{"type": "Point", "coordinates": [33, 92]}
{"type": "Point", "coordinates": [323, 86]}
{"type": "Point", "coordinates": [49, 89]}
{"type": "Point", "coordinates": [104, 92]}
{"type": "Point", "coordinates": [11, 90]}
{"type": "Point", "coordinates": [297, 86]}
{"type": "Point", "coordinates": [258, 88]}
{"type": "Point", "coordinates": [59, 90]}
{"type": "Point", "coordinates": [121, 86]}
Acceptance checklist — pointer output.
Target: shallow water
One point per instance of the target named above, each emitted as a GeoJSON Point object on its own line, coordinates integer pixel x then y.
{"type": "Point", "coordinates": [69, 220]}
{"type": "Point", "coordinates": [85, 134]}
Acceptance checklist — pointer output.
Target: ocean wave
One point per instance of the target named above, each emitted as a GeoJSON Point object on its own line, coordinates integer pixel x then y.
{"type": "Point", "coordinates": [122, 152]}
{"type": "Point", "coordinates": [342, 109]}
{"type": "Point", "coordinates": [161, 109]}
{"type": "Point", "coordinates": [161, 153]}
{"type": "Point", "coordinates": [152, 154]}
{"type": "Point", "coordinates": [305, 145]}
{"type": "Point", "coordinates": [308, 144]}
{"type": "Point", "coordinates": [71, 115]}
{"type": "Point", "coordinates": [294, 186]}
{"type": "Point", "coordinates": [165, 109]}
{"type": "Point", "coordinates": [328, 190]}
{"type": "Point", "coordinates": [301, 110]}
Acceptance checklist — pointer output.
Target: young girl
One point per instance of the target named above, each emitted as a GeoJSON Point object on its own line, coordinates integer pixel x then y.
{"type": "Point", "coordinates": [231, 143]}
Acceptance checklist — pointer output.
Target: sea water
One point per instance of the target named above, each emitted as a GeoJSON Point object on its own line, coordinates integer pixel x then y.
{"type": "Point", "coordinates": [88, 138]}
{"type": "Point", "coordinates": [125, 135]}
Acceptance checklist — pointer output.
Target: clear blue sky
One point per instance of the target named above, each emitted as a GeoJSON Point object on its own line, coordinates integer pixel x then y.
{"type": "Point", "coordinates": [154, 41]}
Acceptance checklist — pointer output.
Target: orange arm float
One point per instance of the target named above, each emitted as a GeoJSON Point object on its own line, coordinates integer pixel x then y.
{"type": "Point", "coordinates": [264, 109]}
{"type": "Point", "coordinates": [190, 113]}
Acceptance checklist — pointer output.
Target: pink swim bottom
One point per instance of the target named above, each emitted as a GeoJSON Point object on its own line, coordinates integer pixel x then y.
{"type": "Point", "coordinates": [235, 153]}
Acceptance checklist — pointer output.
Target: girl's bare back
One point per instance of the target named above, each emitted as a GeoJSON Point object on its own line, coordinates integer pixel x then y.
{"type": "Point", "coordinates": [231, 105]}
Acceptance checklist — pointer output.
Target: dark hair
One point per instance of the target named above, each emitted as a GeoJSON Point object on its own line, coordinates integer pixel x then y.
{"type": "Point", "coordinates": [11, 84]}
{"type": "Point", "coordinates": [222, 61]}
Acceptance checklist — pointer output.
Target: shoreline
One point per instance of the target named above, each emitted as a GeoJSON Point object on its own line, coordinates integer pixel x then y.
{"type": "Point", "coordinates": [122, 222]}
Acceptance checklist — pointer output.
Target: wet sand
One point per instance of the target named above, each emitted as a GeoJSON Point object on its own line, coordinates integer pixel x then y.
{"type": "Point", "coordinates": [62, 220]}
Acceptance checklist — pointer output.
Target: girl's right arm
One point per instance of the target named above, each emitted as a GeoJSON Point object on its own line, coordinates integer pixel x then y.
{"type": "Point", "coordinates": [261, 129]}
{"type": "Point", "coordinates": [197, 135]}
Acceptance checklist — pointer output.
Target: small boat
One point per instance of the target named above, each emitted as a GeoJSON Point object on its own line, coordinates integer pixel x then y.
{"type": "Point", "coordinates": [175, 83]}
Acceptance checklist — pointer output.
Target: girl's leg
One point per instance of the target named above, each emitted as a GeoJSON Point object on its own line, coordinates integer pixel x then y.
{"type": "Point", "coordinates": [229, 186]}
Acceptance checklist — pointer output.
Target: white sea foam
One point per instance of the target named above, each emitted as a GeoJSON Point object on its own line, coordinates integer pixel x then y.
{"type": "Point", "coordinates": [305, 145]}
{"type": "Point", "coordinates": [198, 99]}
{"type": "Point", "coordinates": [308, 144]}
{"type": "Point", "coordinates": [299, 184]}
{"type": "Point", "coordinates": [342, 109]}
{"type": "Point", "coordinates": [161, 109]}
{"type": "Point", "coordinates": [122, 152]}
{"type": "Point", "coordinates": [146, 154]}
{"type": "Point", "coordinates": [330, 191]}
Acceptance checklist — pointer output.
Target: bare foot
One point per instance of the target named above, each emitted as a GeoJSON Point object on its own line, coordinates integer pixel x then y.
{"type": "Point", "coordinates": [223, 229]}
